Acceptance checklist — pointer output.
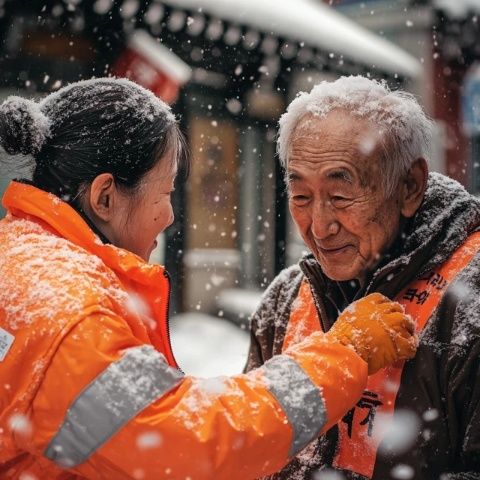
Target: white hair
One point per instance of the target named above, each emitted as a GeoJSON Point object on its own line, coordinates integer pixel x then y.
{"type": "Point", "coordinates": [396, 113]}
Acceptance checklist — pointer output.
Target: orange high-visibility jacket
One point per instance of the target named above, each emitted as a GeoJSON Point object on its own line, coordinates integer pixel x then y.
{"type": "Point", "coordinates": [88, 383]}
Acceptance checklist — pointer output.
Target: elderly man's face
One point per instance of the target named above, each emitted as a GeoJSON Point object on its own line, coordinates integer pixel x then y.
{"type": "Point", "coordinates": [336, 194]}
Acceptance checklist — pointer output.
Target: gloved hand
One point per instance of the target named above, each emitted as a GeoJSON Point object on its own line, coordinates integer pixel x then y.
{"type": "Point", "coordinates": [378, 330]}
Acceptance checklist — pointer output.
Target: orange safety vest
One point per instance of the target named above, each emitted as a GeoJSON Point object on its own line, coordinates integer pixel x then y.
{"type": "Point", "coordinates": [358, 442]}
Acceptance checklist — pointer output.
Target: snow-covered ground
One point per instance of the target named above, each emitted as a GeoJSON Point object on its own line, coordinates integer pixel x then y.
{"type": "Point", "coordinates": [207, 346]}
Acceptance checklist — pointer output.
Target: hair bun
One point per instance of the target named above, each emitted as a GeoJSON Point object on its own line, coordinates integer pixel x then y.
{"type": "Point", "coordinates": [23, 127]}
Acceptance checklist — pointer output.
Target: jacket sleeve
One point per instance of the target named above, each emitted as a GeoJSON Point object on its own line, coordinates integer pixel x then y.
{"type": "Point", "coordinates": [463, 397]}
{"type": "Point", "coordinates": [111, 407]}
{"type": "Point", "coordinates": [458, 329]}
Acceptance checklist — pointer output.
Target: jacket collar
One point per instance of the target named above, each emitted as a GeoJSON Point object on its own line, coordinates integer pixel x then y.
{"type": "Point", "coordinates": [26, 201]}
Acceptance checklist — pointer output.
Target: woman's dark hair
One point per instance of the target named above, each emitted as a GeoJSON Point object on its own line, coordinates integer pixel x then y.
{"type": "Point", "coordinates": [91, 127]}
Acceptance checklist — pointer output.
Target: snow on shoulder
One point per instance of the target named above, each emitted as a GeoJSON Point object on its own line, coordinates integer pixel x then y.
{"type": "Point", "coordinates": [49, 279]}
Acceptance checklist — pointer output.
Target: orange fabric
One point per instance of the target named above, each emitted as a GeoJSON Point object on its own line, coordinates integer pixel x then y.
{"type": "Point", "coordinates": [358, 439]}
{"type": "Point", "coordinates": [338, 370]}
{"type": "Point", "coordinates": [25, 201]}
{"type": "Point", "coordinates": [303, 317]}
{"type": "Point", "coordinates": [74, 305]}
{"type": "Point", "coordinates": [358, 451]}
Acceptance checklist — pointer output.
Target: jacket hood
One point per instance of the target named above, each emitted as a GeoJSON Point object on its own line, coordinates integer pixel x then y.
{"type": "Point", "coordinates": [447, 216]}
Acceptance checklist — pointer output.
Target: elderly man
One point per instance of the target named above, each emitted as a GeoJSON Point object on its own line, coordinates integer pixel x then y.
{"type": "Point", "coordinates": [374, 219]}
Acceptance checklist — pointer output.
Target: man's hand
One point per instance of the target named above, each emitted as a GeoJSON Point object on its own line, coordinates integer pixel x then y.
{"type": "Point", "coordinates": [378, 330]}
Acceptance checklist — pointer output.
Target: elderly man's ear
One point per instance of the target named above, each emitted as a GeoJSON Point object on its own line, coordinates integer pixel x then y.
{"type": "Point", "coordinates": [414, 186]}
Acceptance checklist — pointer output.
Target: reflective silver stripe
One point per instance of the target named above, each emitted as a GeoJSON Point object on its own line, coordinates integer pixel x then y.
{"type": "Point", "coordinates": [299, 398]}
{"type": "Point", "coordinates": [117, 395]}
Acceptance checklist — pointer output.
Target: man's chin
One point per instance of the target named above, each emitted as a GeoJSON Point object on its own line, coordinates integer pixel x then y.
{"type": "Point", "coordinates": [341, 278]}
{"type": "Point", "coordinates": [340, 273]}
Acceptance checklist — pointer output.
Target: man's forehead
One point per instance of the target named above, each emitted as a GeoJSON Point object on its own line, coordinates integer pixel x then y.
{"type": "Point", "coordinates": [333, 171]}
{"type": "Point", "coordinates": [337, 137]}
{"type": "Point", "coordinates": [335, 122]}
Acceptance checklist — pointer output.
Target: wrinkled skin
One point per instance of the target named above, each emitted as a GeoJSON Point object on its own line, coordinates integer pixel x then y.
{"type": "Point", "coordinates": [337, 196]}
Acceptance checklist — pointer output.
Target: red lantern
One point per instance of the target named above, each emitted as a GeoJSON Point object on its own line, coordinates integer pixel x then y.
{"type": "Point", "coordinates": [150, 64]}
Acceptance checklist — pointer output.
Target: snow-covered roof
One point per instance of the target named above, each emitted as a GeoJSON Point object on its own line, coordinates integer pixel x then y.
{"type": "Point", "coordinates": [458, 8]}
{"type": "Point", "coordinates": [314, 23]}
{"type": "Point", "coordinates": [160, 56]}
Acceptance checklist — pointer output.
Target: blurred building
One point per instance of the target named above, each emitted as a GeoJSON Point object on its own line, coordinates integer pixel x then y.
{"type": "Point", "coordinates": [445, 36]}
{"type": "Point", "coordinates": [245, 60]}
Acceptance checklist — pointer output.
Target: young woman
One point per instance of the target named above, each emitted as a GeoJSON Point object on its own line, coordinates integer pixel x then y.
{"type": "Point", "coordinates": [89, 387]}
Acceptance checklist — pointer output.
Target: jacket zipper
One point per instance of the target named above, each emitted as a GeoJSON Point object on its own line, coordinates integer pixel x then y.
{"type": "Point", "coordinates": [167, 319]}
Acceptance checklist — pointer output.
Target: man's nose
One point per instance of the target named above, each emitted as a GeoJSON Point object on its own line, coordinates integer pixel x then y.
{"type": "Point", "coordinates": [324, 221]}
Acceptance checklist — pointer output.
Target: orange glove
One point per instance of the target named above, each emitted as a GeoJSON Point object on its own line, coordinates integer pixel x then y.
{"type": "Point", "coordinates": [378, 330]}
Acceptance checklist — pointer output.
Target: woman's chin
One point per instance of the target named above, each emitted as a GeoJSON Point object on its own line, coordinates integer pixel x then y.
{"type": "Point", "coordinates": [148, 254]}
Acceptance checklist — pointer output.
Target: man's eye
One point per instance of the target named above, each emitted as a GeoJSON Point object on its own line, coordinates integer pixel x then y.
{"type": "Point", "coordinates": [339, 202]}
{"type": "Point", "coordinates": [299, 199]}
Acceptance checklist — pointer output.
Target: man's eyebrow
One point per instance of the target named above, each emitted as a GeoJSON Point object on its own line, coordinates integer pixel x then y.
{"type": "Point", "coordinates": [341, 174]}
{"type": "Point", "coordinates": [293, 176]}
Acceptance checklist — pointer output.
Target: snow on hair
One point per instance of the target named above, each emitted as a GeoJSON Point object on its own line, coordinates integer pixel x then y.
{"type": "Point", "coordinates": [408, 129]}
{"type": "Point", "coordinates": [143, 102]}
{"type": "Point", "coordinates": [23, 127]}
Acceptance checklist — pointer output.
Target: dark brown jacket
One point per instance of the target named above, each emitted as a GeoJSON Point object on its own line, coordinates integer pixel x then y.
{"type": "Point", "coordinates": [444, 377]}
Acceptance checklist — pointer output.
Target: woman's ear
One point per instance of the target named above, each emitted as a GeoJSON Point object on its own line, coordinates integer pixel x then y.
{"type": "Point", "coordinates": [414, 186]}
{"type": "Point", "coordinates": [101, 196]}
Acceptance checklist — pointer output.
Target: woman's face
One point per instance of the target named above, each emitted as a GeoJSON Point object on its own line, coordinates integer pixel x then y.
{"type": "Point", "coordinates": [143, 216]}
